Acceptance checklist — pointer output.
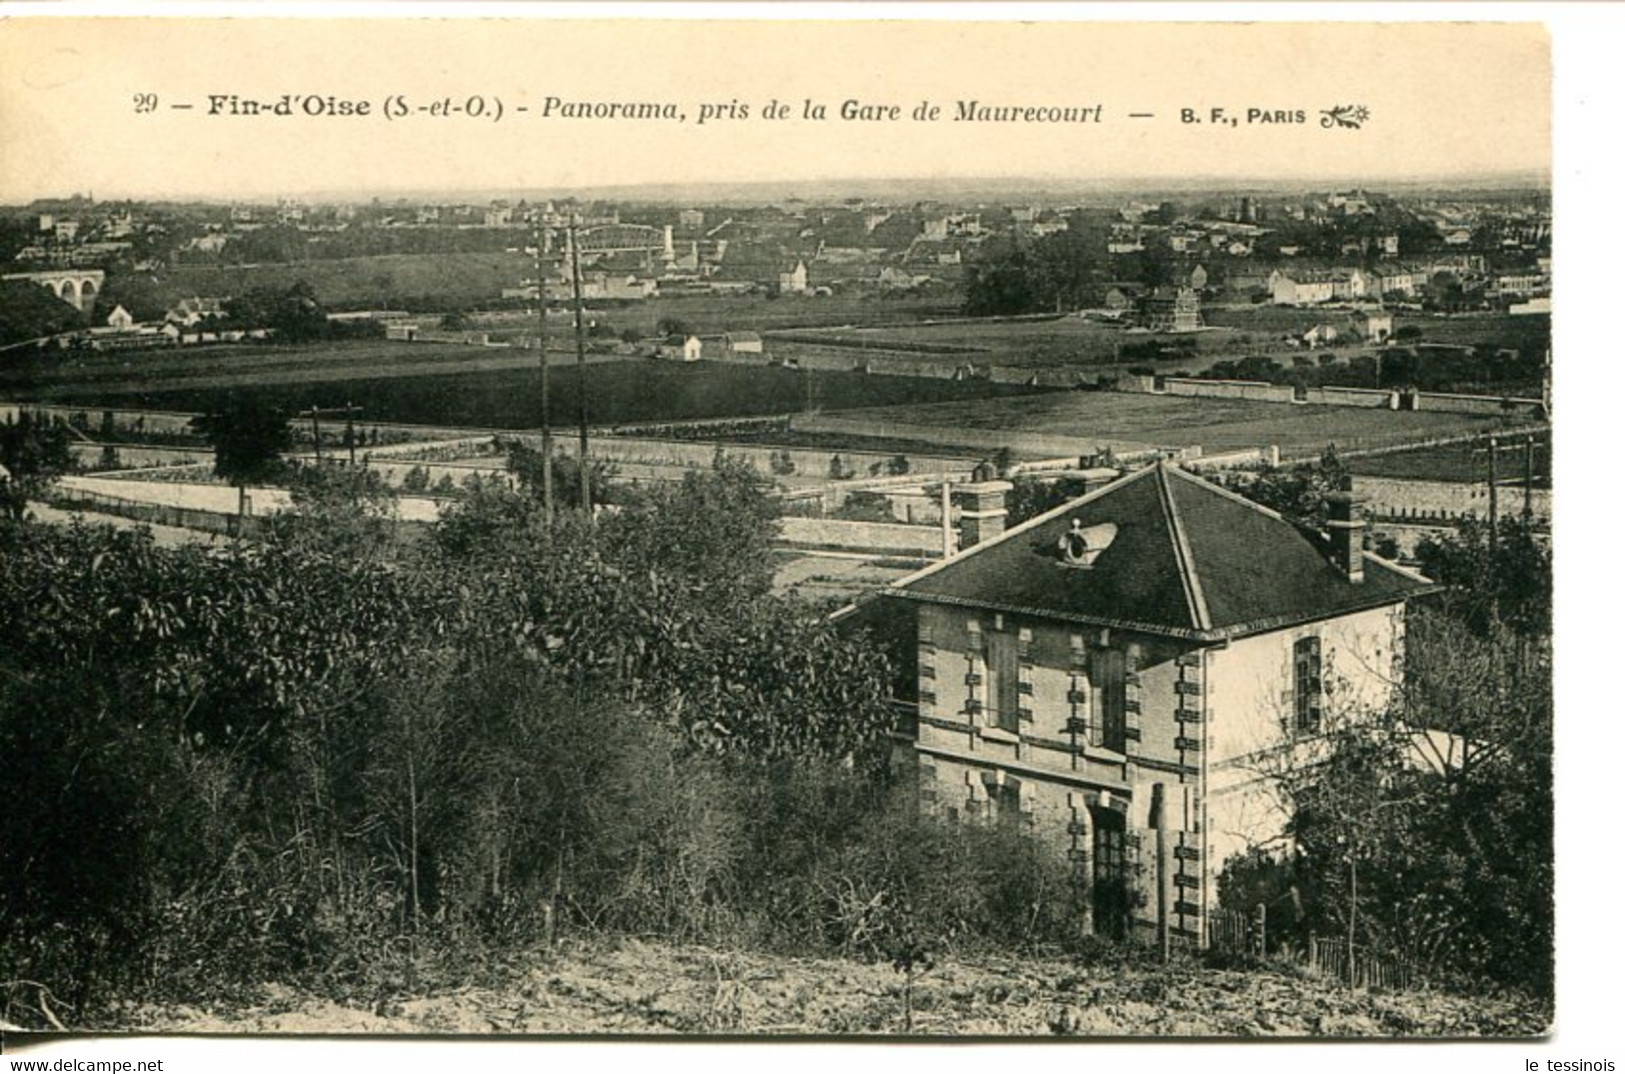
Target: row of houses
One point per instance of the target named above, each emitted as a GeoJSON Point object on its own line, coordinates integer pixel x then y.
{"type": "Point", "coordinates": [122, 331]}
{"type": "Point", "coordinates": [191, 321]}
{"type": "Point", "coordinates": [1307, 287]}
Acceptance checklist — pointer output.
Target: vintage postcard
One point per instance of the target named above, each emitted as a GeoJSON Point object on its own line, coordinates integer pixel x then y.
{"type": "Point", "coordinates": [776, 528]}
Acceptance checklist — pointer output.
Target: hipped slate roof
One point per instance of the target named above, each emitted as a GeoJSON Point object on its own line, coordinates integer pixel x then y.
{"type": "Point", "coordinates": [1189, 560]}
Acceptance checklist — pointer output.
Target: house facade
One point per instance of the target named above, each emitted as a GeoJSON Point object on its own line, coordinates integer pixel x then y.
{"type": "Point", "coordinates": [1118, 676]}
{"type": "Point", "coordinates": [794, 282]}
{"type": "Point", "coordinates": [681, 348]}
{"type": "Point", "coordinates": [1376, 326]}
{"type": "Point", "coordinates": [1169, 310]}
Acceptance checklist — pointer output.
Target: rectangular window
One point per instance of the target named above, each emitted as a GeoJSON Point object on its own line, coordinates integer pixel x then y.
{"type": "Point", "coordinates": [1306, 685]}
{"type": "Point", "coordinates": [1004, 681]}
{"type": "Point", "coordinates": [1005, 799]}
{"type": "Point", "coordinates": [1110, 673]}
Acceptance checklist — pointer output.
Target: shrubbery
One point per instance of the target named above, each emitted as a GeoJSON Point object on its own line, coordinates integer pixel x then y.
{"type": "Point", "coordinates": [368, 766]}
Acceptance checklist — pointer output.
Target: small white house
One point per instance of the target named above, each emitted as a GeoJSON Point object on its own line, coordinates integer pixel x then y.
{"type": "Point", "coordinates": [681, 349]}
{"type": "Point", "coordinates": [1375, 325]}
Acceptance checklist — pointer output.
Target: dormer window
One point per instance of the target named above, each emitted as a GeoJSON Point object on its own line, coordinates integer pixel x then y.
{"type": "Point", "coordinates": [1081, 545]}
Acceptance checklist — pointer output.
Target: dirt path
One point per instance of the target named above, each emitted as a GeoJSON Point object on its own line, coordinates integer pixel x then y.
{"type": "Point", "coordinates": [653, 989]}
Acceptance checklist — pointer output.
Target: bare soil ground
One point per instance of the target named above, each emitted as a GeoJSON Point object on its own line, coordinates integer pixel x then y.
{"type": "Point", "coordinates": [636, 988]}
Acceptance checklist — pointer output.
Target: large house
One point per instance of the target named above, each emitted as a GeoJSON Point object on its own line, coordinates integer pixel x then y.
{"type": "Point", "coordinates": [1168, 309]}
{"type": "Point", "coordinates": [1116, 675]}
{"type": "Point", "coordinates": [1307, 287]}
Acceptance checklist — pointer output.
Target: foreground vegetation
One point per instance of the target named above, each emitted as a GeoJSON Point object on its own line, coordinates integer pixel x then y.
{"type": "Point", "coordinates": [332, 759]}
{"type": "Point", "coordinates": [369, 767]}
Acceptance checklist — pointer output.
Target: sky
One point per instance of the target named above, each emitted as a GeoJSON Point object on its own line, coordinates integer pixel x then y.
{"type": "Point", "coordinates": [88, 104]}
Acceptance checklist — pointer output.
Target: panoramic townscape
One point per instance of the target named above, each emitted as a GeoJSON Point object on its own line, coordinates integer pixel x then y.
{"type": "Point", "coordinates": [985, 608]}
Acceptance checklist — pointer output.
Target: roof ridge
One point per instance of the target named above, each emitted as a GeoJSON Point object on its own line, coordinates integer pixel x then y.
{"type": "Point", "coordinates": [1398, 568]}
{"type": "Point", "coordinates": [1214, 486]}
{"type": "Point", "coordinates": [1191, 582]}
{"type": "Point", "coordinates": [1031, 523]}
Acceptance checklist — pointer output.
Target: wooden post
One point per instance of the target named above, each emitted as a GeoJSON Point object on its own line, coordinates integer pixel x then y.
{"type": "Point", "coordinates": [581, 369]}
{"type": "Point", "coordinates": [947, 519]}
{"type": "Point", "coordinates": [1354, 889]}
{"type": "Point", "coordinates": [1159, 816]}
{"type": "Point", "coordinates": [349, 428]}
{"type": "Point", "coordinates": [316, 432]}
{"type": "Point", "coordinates": [1494, 513]}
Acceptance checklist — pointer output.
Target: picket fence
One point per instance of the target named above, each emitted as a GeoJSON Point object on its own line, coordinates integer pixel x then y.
{"type": "Point", "coordinates": [1358, 966]}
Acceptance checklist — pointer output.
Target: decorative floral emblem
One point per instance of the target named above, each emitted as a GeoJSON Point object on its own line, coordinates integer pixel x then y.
{"type": "Point", "coordinates": [1345, 115]}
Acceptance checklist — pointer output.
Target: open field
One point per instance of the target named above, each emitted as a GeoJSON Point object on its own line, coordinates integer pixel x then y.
{"type": "Point", "coordinates": [619, 392]}
{"type": "Point", "coordinates": [643, 988]}
{"type": "Point", "coordinates": [69, 376]}
{"type": "Point", "coordinates": [1127, 421]}
{"type": "Point", "coordinates": [1234, 331]}
{"type": "Point", "coordinates": [1064, 340]}
{"type": "Point", "coordinates": [403, 281]}
{"type": "Point", "coordinates": [1459, 462]}
{"type": "Point", "coordinates": [1265, 319]}
{"type": "Point", "coordinates": [1529, 335]}
{"type": "Point", "coordinates": [714, 314]}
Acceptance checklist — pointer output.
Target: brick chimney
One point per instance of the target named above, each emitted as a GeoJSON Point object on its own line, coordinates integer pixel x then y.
{"type": "Point", "coordinates": [1347, 533]}
{"type": "Point", "coordinates": [981, 510]}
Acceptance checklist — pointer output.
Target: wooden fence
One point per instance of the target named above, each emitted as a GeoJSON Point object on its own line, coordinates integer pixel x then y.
{"type": "Point", "coordinates": [1239, 931]}
{"type": "Point", "coordinates": [1370, 969]}
{"type": "Point", "coordinates": [1358, 966]}
{"type": "Point", "coordinates": [156, 514]}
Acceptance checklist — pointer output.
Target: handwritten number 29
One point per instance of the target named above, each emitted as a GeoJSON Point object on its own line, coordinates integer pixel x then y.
{"type": "Point", "coordinates": [146, 102]}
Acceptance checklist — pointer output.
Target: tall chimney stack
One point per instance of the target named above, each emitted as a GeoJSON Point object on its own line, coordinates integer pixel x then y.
{"type": "Point", "coordinates": [1347, 533]}
{"type": "Point", "coordinates": [982, 510]}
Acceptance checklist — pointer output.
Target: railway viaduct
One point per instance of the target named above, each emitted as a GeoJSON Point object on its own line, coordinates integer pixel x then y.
{"type": "Point", "coordinates": [77, 287]}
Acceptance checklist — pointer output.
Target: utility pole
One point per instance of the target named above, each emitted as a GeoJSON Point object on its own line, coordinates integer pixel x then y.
{"type": "Point", "coordinates": [1528, 477]}
{"type": "Point", "coordinates": [349, 429]}
{"type": "Point", "coordinates": [541, 350]}
{"type": "Point", "coordinates": [1495, 519]}
{"type": "Point", "coordinates": [581, 369]}
{"type": "Point", "coordinates": [349, 410]}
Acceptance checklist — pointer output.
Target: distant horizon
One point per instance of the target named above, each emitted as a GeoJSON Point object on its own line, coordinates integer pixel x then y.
{"type": "Point", "coordinates": [919, 188]}
{"type": "Point", "coordinates": [190, 109]}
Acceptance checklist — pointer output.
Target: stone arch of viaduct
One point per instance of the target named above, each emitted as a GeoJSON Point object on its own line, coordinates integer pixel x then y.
{"type": "Point", "coordinates": [77, 287]}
